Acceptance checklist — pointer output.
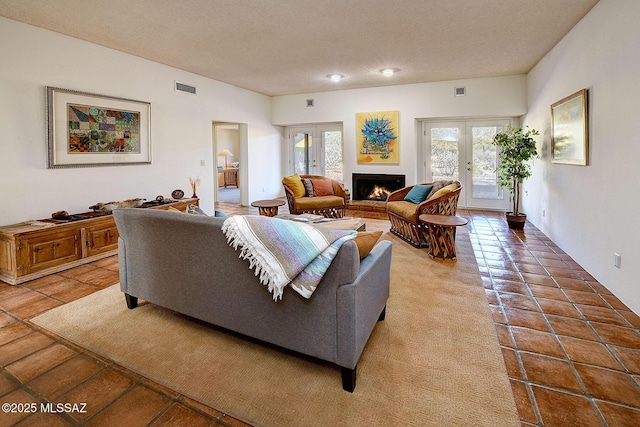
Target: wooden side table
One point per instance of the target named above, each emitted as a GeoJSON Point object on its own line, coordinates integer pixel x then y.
{"type": "Point", "coordinates": [268, 207]}
{"type": "Point", "coordinates": [442, 234]}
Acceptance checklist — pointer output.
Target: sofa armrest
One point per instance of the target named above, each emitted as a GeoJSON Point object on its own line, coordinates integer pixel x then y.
{"type": "Point", "coordinates": [338, 190]}
{"type": "Point", "coordinates": [360, 304]}
{"type": "Point", "coordinates": [291, 200]}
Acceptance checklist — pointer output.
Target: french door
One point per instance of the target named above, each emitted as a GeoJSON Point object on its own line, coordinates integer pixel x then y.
{"type": "Point", "coordinates": [317, 150]}
{"type": "Point", "coordinates": [463, 151]}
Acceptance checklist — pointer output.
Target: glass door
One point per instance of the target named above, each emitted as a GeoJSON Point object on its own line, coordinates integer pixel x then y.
{"type": "Point", "coordinates": [304, 158]}
{"type": "Point", "coordinates": [464, 151]}
{"type": "Point", "coordinates": [317, 150]}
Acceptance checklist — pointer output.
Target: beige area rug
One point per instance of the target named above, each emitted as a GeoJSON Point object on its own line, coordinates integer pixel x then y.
{"type": "Point", "coordinates": [434, 361]}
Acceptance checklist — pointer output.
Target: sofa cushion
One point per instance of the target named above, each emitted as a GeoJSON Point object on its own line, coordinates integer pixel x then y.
{"type": "Point", "coordinates": [295, 184]}
{"type": "Point", "coordinates": [322, 187]}
{"type": "Point", "coordinates": [418, 193]}
{"type": "Point", "coordinates": [437, 185]}
{"type": "Point", "coordinates": [444, 190]}
{"type": "Point", "coordinates": [321, 202]}
{"type": "Point", "coordinates": [308, 187]}
{"type": "Point", "coordinates": [405, 209]}
{"type": "Point", "coordinates": [366, 240]}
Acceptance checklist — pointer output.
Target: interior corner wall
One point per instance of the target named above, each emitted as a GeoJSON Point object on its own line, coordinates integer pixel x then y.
{"type": "Point", "coordinates": [486, 97]}
{"type": "Point", "coordinates": [33, 58]}
{"type": "Point", "coordinates": [589, 211]}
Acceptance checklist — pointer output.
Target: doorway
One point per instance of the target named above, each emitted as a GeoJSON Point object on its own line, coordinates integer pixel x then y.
{"type": "Point", "coordinates": [464, 151]}
{"type": "Point", "coordinates": [227, 162]}
{"type": "Point", "coordinates": [316, 150]}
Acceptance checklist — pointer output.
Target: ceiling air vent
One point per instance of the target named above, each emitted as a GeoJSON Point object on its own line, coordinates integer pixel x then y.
{"type": "Point", "coordinates": [461, 91]}
{"type": "Point", "coordinates": [181, 87]}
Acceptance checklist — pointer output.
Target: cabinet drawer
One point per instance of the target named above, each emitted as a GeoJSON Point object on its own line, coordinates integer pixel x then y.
{"type": "Point", "coordinates": [101, 239]}
{"type": "Point", "coordinates": [50, 250]}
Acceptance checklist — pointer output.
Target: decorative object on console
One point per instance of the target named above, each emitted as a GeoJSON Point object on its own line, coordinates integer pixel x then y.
{"type": "Point", "coordinates": [60, 215]}
{"type": "Point", "coordinates": [177, 194]}
{"type": "Point", "coordinates": [517, 147]}
{"type": "Point", "coordinates": [194, 185]}
{"type": "Point", "coordinates": [570, 130]}
{"type": "Point", "coordinates": [86, 129]}
{"type": "Point", "coordinates": [107, 208]}
{"type": "Point", "coordinates": [377, 138]}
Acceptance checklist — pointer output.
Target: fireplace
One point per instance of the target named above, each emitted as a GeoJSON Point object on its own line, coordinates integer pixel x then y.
{"type": "Point", "coordinates": [371, 186]}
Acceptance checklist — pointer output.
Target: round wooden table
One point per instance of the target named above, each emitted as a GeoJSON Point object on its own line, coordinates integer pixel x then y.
{"type": "Point", "coordinates": [442, 234]}
{"type": "Point", "coordinates": [268, 207]}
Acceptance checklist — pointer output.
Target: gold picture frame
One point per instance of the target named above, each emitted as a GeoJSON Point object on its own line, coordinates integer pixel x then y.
{"type": "Point", "coordinates": [570, 130]}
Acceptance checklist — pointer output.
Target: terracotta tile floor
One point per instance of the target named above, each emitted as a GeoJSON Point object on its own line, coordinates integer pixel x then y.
{"type": "Point", "coordinates": [571, 348]}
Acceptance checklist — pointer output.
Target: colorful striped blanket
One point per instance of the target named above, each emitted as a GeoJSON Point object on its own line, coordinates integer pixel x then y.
{"type": "Point", "coordinates": [285, 252]}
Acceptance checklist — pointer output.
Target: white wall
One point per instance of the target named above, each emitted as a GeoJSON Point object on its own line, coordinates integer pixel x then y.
{"type": "Point", "coordinates": [486, 97]}
{"type": "Point", "coordinates": [181, 133]}
{"type": "Point", "coordinates": [591, 210]}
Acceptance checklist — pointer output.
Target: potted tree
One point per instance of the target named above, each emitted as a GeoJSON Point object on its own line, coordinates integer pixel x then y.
{"type": "Point", "coordinates": [517, 147]}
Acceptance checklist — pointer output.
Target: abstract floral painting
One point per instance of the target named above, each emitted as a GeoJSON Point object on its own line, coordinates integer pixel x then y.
{"type": "Point", "coordinates": [377, 137]}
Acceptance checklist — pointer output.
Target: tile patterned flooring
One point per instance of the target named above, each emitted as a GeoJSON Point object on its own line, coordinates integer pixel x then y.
{"type": "Point", "coordinates": [571, 348]}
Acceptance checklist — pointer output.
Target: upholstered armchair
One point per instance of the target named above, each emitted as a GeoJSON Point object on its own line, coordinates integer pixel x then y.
{"type": "Point", "coordinates": [315, 194]}
{"type": "Point", "coordinates": [404, 206]}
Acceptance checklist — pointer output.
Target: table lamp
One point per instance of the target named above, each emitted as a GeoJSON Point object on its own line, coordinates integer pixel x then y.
{"type": "Point", "coordinates": [226, 153]}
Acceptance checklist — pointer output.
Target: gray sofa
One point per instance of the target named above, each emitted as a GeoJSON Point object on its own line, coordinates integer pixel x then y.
{"type": "Point", "coordinates": [183, 262]}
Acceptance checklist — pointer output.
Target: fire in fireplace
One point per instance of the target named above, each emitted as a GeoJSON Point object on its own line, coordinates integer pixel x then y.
{"type": "Point", "coordinates": [369, 186]}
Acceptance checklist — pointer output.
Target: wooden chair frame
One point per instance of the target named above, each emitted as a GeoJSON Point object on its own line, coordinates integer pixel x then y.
{"type": "Point", "coordinates": [411, 229]}
{"type": "Point", "coordinates": [327, 212]}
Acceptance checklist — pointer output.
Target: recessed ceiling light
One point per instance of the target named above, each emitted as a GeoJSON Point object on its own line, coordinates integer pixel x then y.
{"type": "Point", "coordinates": [389, 71]}
{"type": "Point", "coordinates": [335, 77]}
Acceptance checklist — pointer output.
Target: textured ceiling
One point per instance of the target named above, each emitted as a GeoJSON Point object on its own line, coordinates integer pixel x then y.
{"type": "Point", "coordinates": [279, 47]}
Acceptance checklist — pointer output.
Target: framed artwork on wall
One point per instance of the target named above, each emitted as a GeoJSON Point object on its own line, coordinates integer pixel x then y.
{"type": "Point", "coordinates": [377, 137]}
{"type": "Point", "coordinates": [85, 129]}
{"type": "Point", "coordinates": [570, 130]}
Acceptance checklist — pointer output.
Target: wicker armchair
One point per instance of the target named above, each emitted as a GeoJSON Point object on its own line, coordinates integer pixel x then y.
{"type": "Point", "coordinates": [404, 215]}
{"type": "Point", "coordinates": [330, 206]}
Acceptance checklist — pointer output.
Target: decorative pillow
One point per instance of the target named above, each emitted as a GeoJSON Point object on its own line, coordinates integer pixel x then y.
{"type": "Point", "coordinates": [444, 190]}
{"type": "Point", "coordinates": [366, 240]}
{"type": "Point", "coordinates": [308, 186]}
{"type": "Point", "coordinates": [437, 185]}
{"type": "Point", "coordinates": [295, 184]}
{"type": "Point", "coordinates": [220, 214]}
{"type": "Point", "coordinates": [418, 194]}
{"type": "Point", "coordinates": [322, 187]}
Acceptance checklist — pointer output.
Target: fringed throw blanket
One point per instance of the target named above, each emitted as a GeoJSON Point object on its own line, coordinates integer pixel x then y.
{"type": "Point", "coordinates": [285, 252]}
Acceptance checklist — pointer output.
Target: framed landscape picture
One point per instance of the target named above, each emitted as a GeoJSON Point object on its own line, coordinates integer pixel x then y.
{"type": "Point", "coordinates": [377, 137]}
{"type": "Point", "coordinates": [86, 129]}
{"type": "Point", "coordinates": [570, 130]}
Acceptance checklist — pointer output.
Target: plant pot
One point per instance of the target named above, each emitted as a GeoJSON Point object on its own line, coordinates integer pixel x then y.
{"type": "Point", "coordinates": [516, 222]}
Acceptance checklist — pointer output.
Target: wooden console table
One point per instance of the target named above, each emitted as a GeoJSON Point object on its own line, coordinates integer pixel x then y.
{"type": "Point", "coordinates": [34, 249]}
